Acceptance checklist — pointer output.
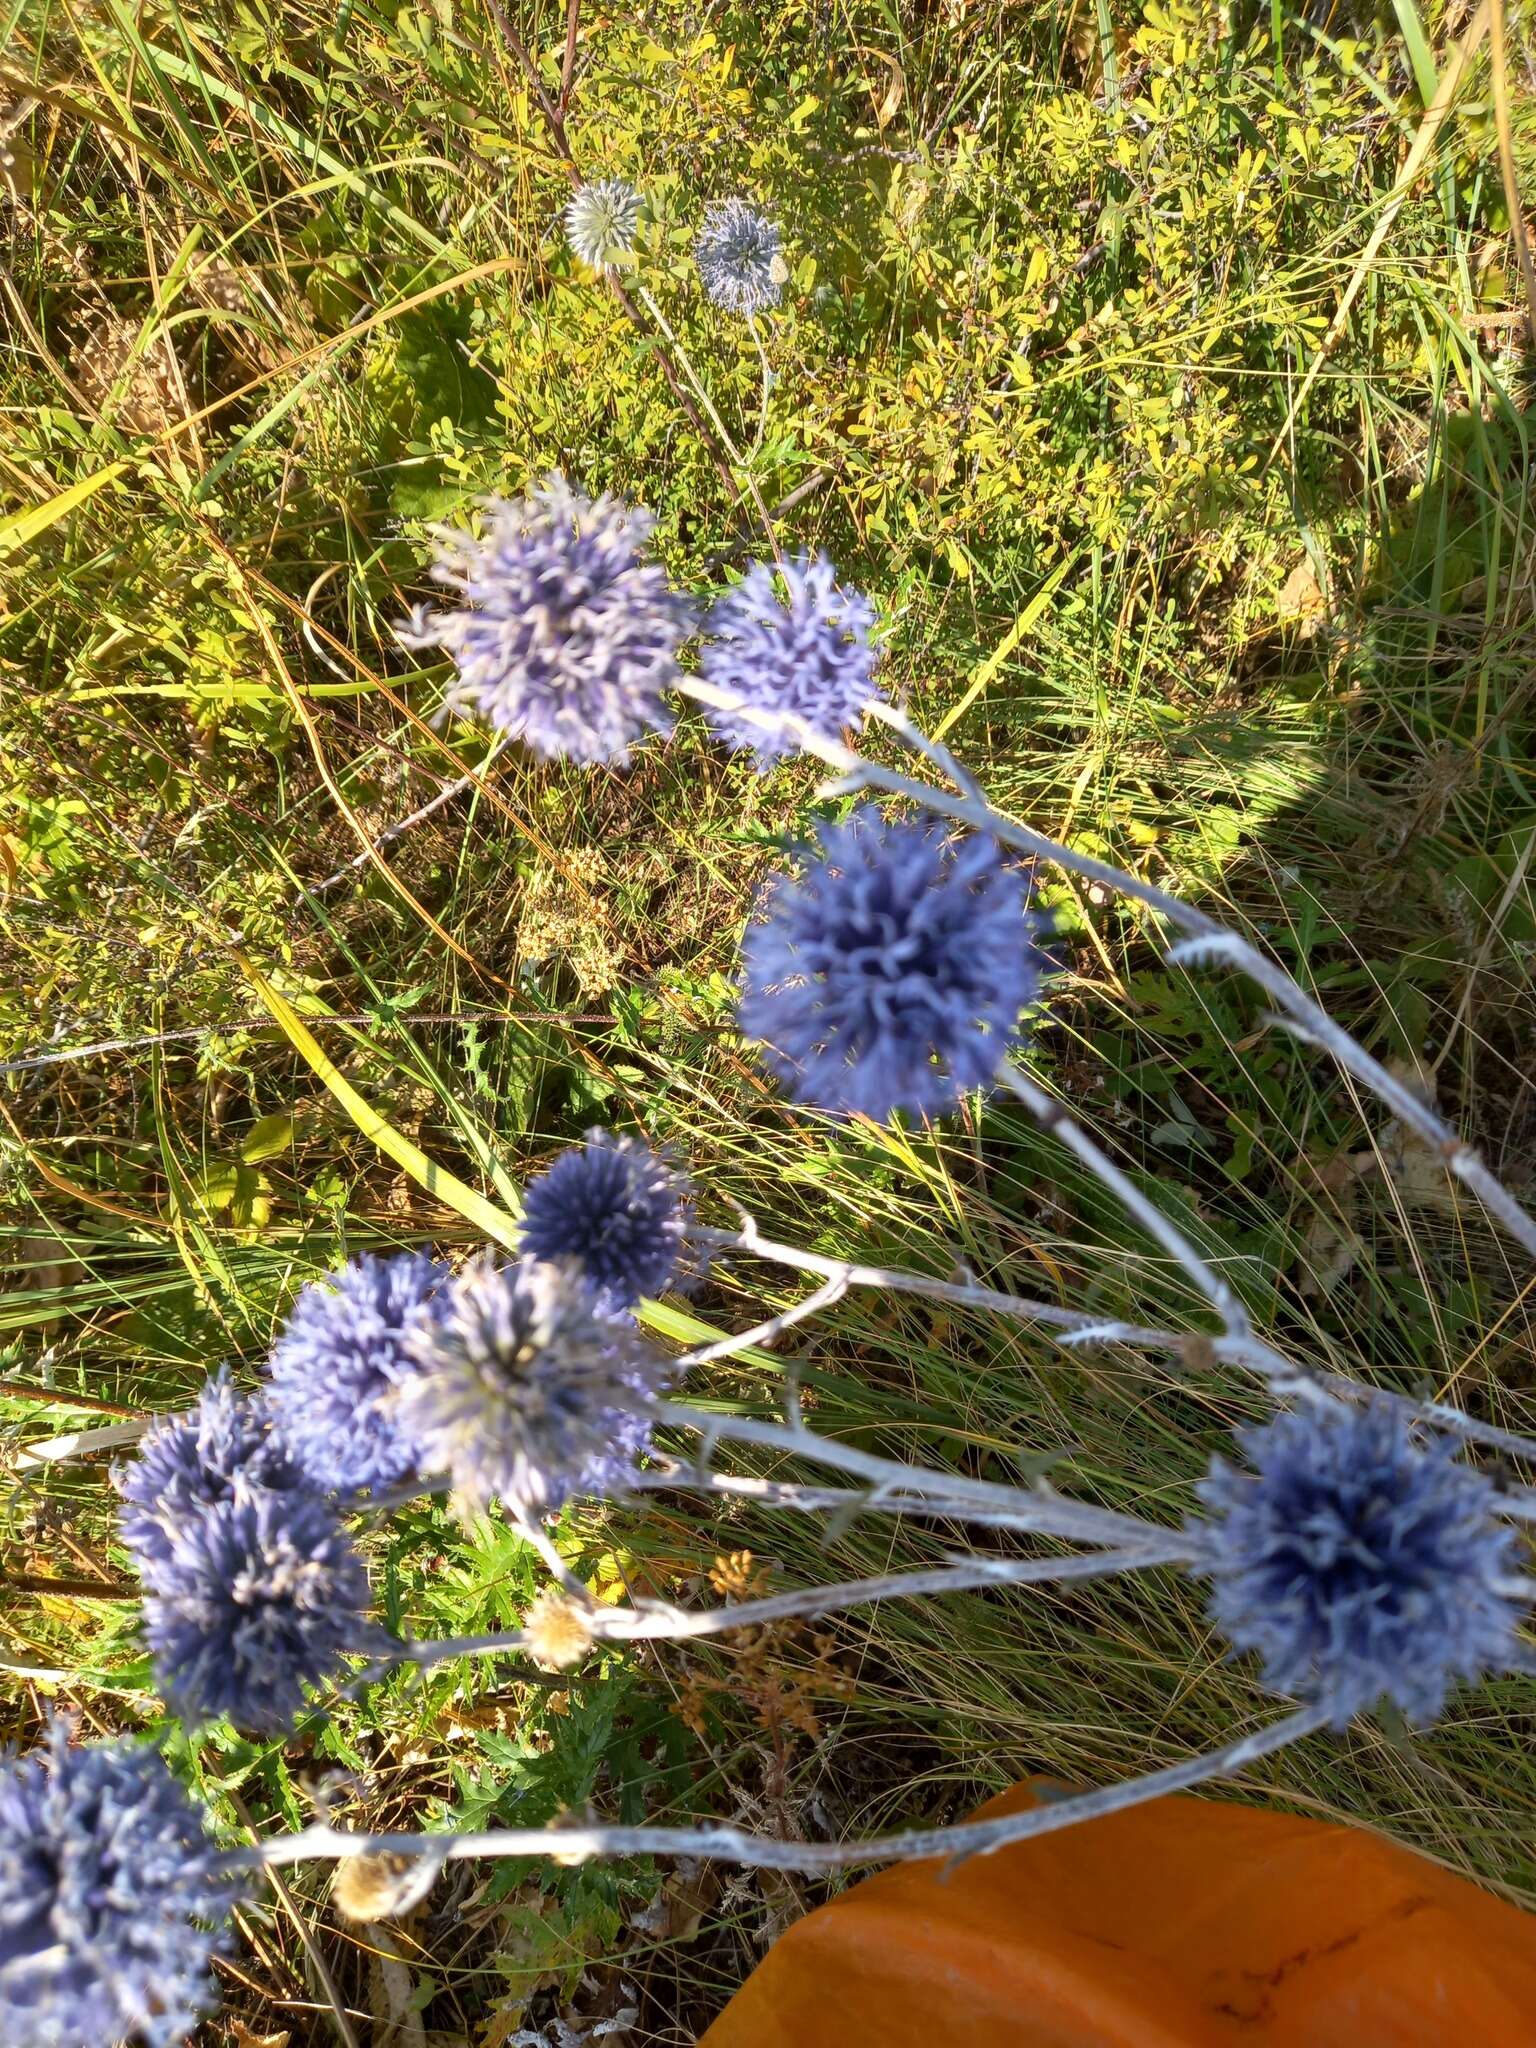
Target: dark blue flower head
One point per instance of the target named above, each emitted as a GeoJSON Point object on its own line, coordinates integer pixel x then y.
{"type": "Point", "coordinates": [336, 1366]}
{"type": "Point", "coordinates": [890, 975]}
{"type": "Point", "coordinates": [805, 651]}
{"type": "Point", "coordinates": [111, 1901]}
{"type": "Point", "coordinates": [224, 1447]}
{"type": "Point", "coordinates": [602, 221]}
{"type": "Point", "coordinates": [1359, 1563]}
{"type": "Point", "coordinates": [615, 1209]}
{"type": "Point", "coordinates": [259, 1598]}
{"type": "Point", "coordinates": [566, 638]}
{"type": "Point", "coordinates": [740, 256]}
{"type": "Point", "coordinates": [527, 1393]}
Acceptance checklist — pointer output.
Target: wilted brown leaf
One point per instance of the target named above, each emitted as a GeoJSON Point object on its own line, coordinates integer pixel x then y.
{"type": "Point", "coordinates": [241, 2036]}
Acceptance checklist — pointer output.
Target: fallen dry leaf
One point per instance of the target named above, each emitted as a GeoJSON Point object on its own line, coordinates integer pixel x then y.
{"type": "Point", "coordinates": [240, 2036]}
{"type": "Point", "coordinates": [1416, 1173]}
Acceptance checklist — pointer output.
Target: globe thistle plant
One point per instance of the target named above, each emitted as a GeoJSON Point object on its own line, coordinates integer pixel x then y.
{"type": "Point", "coordinates": [616, 1210]}
{"type": "Point", "coordinates": [111, 1898]}
{"type": "Point", "coordinates": [566, 638]}
{"type": "Point", "coordinates": [224, 1448]}
{"type": "Point", "coordinates": [602, 221]}
{"type": "Point", "coordinates": [338, 1364]}
{"type": "Point", "coordinates": [790, 639]}
{"type": "Point", "coordinates": [1359, 1563]}
{"type": "Point", "coordinates": [739, 252]}
{"type": "Point", "coordinates": [890, 975]}
{"type": "Point", "coordinates": [258, 1598]}
{"type": "Point", "coordinates": [527, 1393]}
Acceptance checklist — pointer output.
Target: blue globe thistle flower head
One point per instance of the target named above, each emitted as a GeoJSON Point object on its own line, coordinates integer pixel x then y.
{"type": "Point", "coordinates": [891, 973]}
{"type": "Point", "coordinates": [566, 638]}
{"type": "Point", "coordinates": [790, 639]}
{"type": "Point", "coordinates": [224, 1447]}
{"type": "Point", "coordinates": [528, 1393]}
{"type": "Point", "coordinates": [602, 221]}
{"type": "Point", "coordinates": [1359, 1563]}
{"type": "Point", "coordinates": [740, 254]}
{"type": "Point", "coordinates": [259, 1598]}
{"type": "Point", "coordinates": [111, 1898]}
{"type": "Point", "coordinates": [614, 1209]}
{"type": "Point", "coordinates": [338, 1363]}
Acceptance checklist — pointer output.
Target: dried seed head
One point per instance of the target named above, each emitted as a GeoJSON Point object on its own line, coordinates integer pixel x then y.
{"type": "Point", "coordinates": [559, 1630]}
{"type": "Point", "coordinates": [382, 1887]}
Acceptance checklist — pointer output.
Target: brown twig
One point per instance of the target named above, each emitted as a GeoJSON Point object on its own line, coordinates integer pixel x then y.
{"type": "Point", "coordinates": [568, 62]}
{"type": "Point", "coordinates": [1498, 57]}
{"type": "Point", "coordinates": [60, 1397]}
{"type": "Point", "coordinates": [68, 1589]}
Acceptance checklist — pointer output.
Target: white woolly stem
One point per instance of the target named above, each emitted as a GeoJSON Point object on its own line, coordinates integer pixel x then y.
{"type": "Point", "coordinates": [736, 1845]}
{"type": "Point", "coordinates": [816, 1500]}
{"type": "Point", "coordinates": [1036, 1509]}
{"type": "Point", "coordinates": [897, 1280]}
{"type": "Point", "coordinates": [831, 1290]}
{"type": "Point", "coordinates": [931, 750]}
{"type": "Point", "coordinates": [1055, 1120]}
{"type": "Point", "coordinates": [661, 1624]}
{"type": "Point", "coordinates": [762, 411]}
{"type": "Point", "coordinates": [529, 1528]}
{"type": "Point", "coordinates": [80, 1443]}
{"type": "Point", "coordinates": [1072, 1328]}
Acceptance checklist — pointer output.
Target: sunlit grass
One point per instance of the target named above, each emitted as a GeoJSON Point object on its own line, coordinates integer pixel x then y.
{"type": "Point", "coordinates": [301, 274]}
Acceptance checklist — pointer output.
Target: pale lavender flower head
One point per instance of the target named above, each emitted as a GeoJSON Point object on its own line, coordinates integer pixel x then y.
{"type": "Point", "coordinates": [259, 1598]}
{"type": "Point", "coordinates": [740, 254]}
{"type": "Point", "coordinates": [111, 1898]}
{"type": "Point", "coordinates": [614, 1209]}
{"type": "Point", "coordinates": [338, 1363]}
{"type": "Point", "coordinates": [788, 638]}
{"type": "Point", "coordinates": [566, 638]}
{"type": "Point", "coordinates": [602, 221]}
{"type": "Point", "coordinates": [1360, 1563]}
{"type": "Point", "coordinates": [891, 973]}
{"type": "Point", "coordinates": [527, 1393]}
{"type": "Point", "coordinates": [223, 1448]}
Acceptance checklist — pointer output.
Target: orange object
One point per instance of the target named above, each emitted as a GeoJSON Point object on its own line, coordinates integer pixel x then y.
{"type": "Point", "coordinates": [1178, 1924]}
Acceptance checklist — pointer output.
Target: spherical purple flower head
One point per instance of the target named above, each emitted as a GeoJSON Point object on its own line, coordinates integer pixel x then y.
{"type": "Point", "coordinates": [566, 639]}
{"type": "Point", "coordinates": [527, 1393]}
{"type": "Point", "coordinates": [111, 1902]}
{"type": "Point", "coordinates": [222, 1448]}
{"type": "Point", "coordinates": [1359, 1563]}
{"type": "Point", "coordinates": [805, 651]}
{"type": "Point", "coordinates": [259, 1598]}
{"type": "Point", "coordinates": [891, 974]}
{"type": "Point", "coordinates": [336, 1367]}
{"type": "Point", "coordinates": [602, 221]}
{"type": "Point", "coordinates": [740, 254]}
{"type": "Point", "coordinates": [616, 1210]}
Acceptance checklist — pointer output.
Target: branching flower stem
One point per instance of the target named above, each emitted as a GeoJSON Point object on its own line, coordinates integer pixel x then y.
{"type": "Point", "coordinates": [1075, 1323]}
{"type": "Point", "coordinates": [767, 387]}
{"type": "Point", "coordinates": [1074, 1329]}
{"type": "Point", "coordinates": [850, 1501]}
{"type": "Point", "coordinates": [1205, 942]}
{"type": "Point", "coordinates": [658, 1623]}
{"type": "Point", "coordinates": [736, 1845]}
{"type": "Point", "coordinates": [1284, 1377]}
{"type": "Point", "coordinates": [1035, 1510]}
